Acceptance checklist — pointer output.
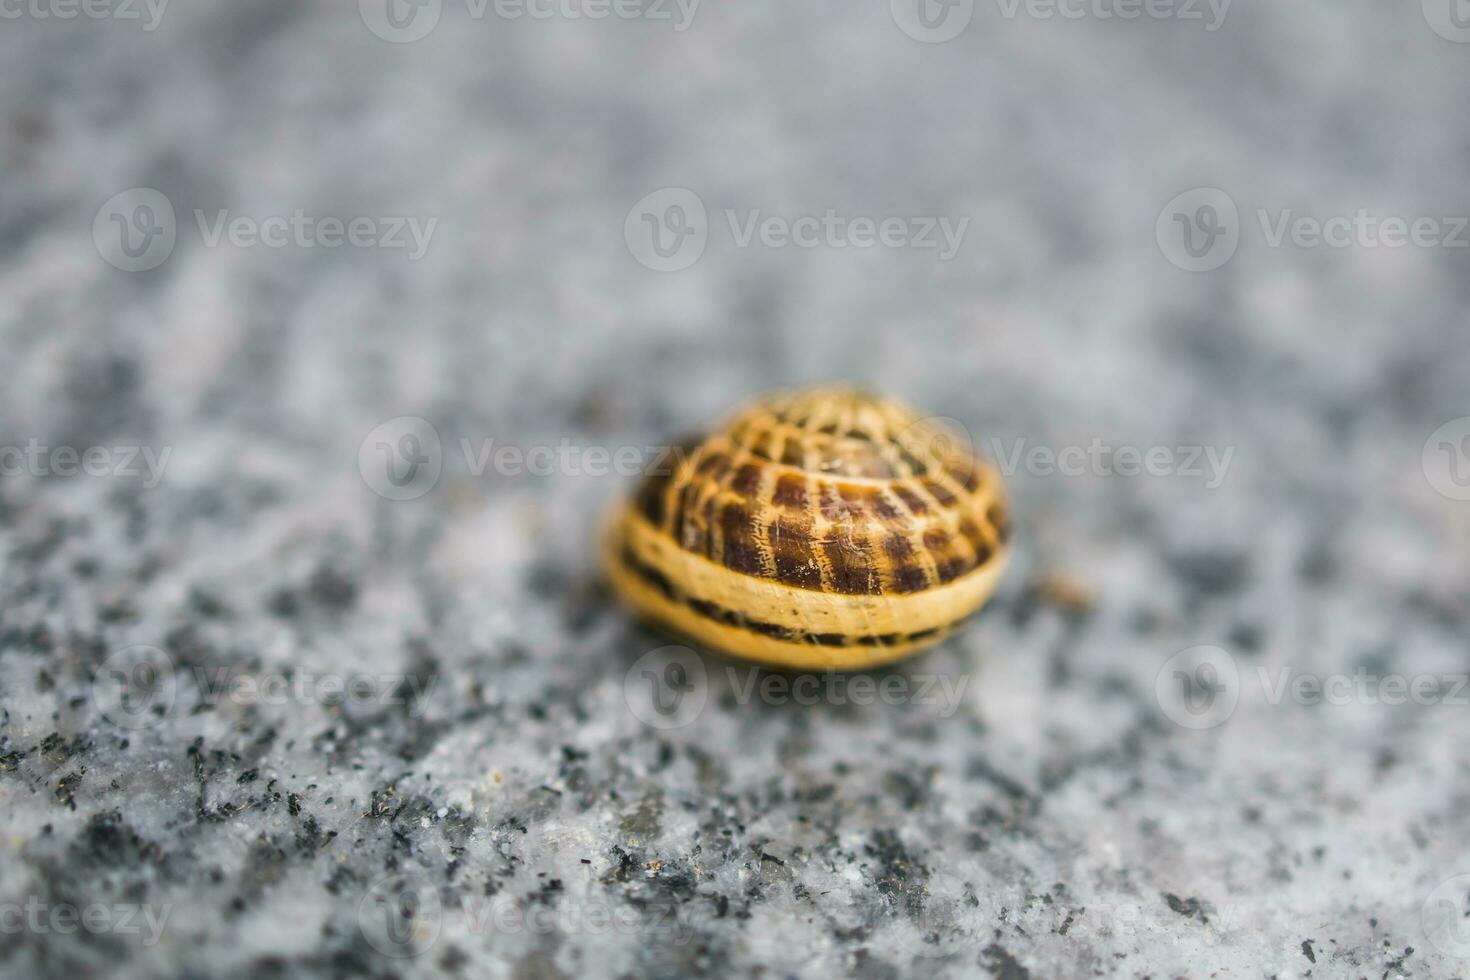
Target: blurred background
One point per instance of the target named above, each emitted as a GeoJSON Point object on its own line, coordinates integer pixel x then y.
{"type": "Point", "coordinates": [278, 279]}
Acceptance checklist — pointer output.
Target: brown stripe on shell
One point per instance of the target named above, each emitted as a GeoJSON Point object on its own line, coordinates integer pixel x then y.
{"type": "Point", "coordinates": [792, 550]}
{"type": "Point", "coordinates": [977, 539]}
{"type": "Point", "coordinates": [650, 498]}
{"type": "Point", "coordinates": [664, 474]}
{"type": "Point", "coordinates": [738, 549]}
{"type": "Point", "coordinates": [966, 474]}
{"type": "Point", "coordinates": [854, 568]}
{"type": "Point", "coordinates": [910, 499]}
{"type": "Point", "coordinates": [790, 492]}
{"type": "Point", "coordinates": [747, 480]}
{"type": "Point", "coordinates": [729, 617]}
{"type": "Point", "coordinates": [1000, 519]}
{"type": "Point", "coordinates": [942, 494]}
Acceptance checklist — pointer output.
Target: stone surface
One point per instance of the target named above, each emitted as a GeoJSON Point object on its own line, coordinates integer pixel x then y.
{"type": "Point", "coordinates": [498, 794]}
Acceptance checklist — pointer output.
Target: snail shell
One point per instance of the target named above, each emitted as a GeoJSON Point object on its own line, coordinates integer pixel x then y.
{"type": "Point", "coordinates": [826, 528]}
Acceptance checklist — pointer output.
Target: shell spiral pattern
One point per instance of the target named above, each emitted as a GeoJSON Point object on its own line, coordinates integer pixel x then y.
{"type": "Point", "coordinates": [827, 528]}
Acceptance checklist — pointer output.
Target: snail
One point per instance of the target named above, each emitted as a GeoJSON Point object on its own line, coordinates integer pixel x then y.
{"type": "Point", "coordinates": [824, 528]}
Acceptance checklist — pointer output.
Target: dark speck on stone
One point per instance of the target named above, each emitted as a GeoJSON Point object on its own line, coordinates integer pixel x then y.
{"type": "Point", "coordinates": [66, 789]}
{"type": "Point", "coordinates": [899, 876]}
{"type": "Point", "coordinates": [206, 604]}
{"type": "Point", "coordinates": [117, 611]}
{"type": "Point", "coordinates": [333, 589]}
{"type": "Point", "coordinates": [1004, 965]}
{"type": "Point", "coordinates": [1246, 637]}
{"type": "Point", "coordinates": [284, 603]}
{"type": "Point", "coordinates": [1317, 565]}
{"type": "Point", "coordinates": [1211, 573]}
{"type": "Point", "coordinates": [1187, 907]}
{"type": "Point", "coordinates": [908, 788]}
{"type": "Point", "coordinates": [546, 579]}
{"type": "Point", "coordinates": [109, 842]}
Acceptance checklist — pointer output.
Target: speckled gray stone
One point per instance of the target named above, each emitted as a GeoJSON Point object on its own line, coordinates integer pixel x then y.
{"type": "Point", "coordinates": [500, 795]}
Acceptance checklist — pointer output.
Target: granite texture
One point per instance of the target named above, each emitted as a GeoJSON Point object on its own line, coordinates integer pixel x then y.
{"type": "Point", "coordinates": [498, 793]}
